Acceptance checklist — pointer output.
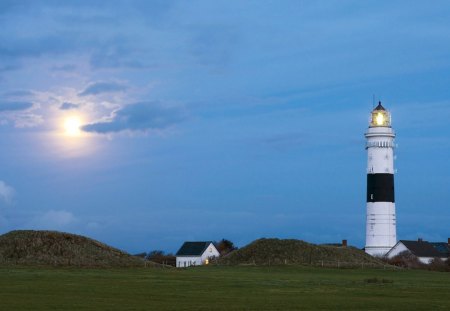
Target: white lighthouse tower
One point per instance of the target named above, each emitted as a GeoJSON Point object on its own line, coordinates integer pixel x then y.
{"type": "Point", "coordinates": [381, 233]}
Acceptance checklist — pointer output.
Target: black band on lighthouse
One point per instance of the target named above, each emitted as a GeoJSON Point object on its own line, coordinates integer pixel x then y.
{"type": "Point", "coordinates": [380, 188]}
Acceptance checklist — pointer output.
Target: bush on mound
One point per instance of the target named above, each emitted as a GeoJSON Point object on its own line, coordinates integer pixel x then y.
{"type": "Point", "coordinates": [278, 252]}
{"type": "Point", "coordinates": [28, 247]}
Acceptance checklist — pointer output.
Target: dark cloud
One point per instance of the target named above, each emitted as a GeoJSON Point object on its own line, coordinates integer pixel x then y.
{"type": "Point", "coordinates": [6, 193]}
{"type": "Point", "coordinates": [8, 67]}
{"type": "Point", "coordinates": [286, 141]}
{"type": "Point", "coordinates": [64, 68]}
{"type": "Point", "coordinates": [7, 6]}
{"type": "Point", "coordinates": [103, 87]}
{"type": "Point", "coordinates": [142, 116]}
{"type": "Point", "coordinates": [120, 52]}
{"type": "Point", "coordinates": [214, 45]}
{"type": "Point", "coordinates": [68, 106]}
{"type": "Point", "coordinates": [15, 106]}
{"type": "Point", "coordinates": [18, 93]}
{"type": "Point", "coordinates": [13, 47]}
{"type": "Point", "coordinates": [82, 25]}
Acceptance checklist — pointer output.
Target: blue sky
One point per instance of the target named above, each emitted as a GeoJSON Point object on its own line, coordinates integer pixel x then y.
{"type": "Point", "coordinates": [203, 120]}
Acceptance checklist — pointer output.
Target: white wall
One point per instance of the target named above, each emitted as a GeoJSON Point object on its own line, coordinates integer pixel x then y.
{"type": "Point", "coordinates": [397, 249]}
{"type": "Point", "coordinates": [381, 233]}
{"type": "Point", "coordinates": [210, 252]}
{"type": "Point", "coordinates": [183, 262]}
{"type": "Point", "coordinates": [380, 151]}
{"type": "Point", "coordinates": [425, 260]}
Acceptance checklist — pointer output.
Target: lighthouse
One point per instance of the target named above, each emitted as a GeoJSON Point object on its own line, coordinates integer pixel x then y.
{"type": "Point", "coordinates": [381, 232]}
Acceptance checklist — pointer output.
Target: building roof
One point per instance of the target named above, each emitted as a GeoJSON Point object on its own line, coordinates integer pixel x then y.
{"type": "Point", "coordinates": [379, 107]}
{"type": "Point", "coordinates": [422, 248]}
{"type": "Point", "coordinates": [193, 248]}
{"type": "Point", "coordinates": [442, 247]}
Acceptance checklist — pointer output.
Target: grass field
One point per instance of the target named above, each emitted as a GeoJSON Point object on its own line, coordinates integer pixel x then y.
{"type": "Point", "coordinates": [223, 288]}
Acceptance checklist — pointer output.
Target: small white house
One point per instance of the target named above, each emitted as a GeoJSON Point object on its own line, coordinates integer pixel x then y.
{"type": "Point", "coordinates": [423, 250]}
{"type": "Point", "coordinates": [196, 254]}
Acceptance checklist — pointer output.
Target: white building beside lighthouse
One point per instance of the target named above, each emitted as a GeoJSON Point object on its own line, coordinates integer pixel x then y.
{"type": "Point", "coordinates": [381, 233]}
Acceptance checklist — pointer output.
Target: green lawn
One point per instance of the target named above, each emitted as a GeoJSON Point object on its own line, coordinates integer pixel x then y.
{"type": "Point", "coordinates": [223, 288]}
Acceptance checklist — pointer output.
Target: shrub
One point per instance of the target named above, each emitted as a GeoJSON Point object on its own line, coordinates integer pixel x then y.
{"type": "Point", "coordinates": [438, 264]}
{"type": "Point", "coordinates": [405, 260]}
{"type": "Point", "coordinates": [160, 257]}
{"type": "Point", "coordinates": [225, 246]}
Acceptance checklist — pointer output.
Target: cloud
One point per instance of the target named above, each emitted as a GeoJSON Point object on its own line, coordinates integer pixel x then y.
{"type": "Point", "coordinates": [68, 106]}
{"type": "Point", "coordinates": [93, 225]}
{"type": "Point", "coordinates": [103, 87]}
{"type": "Point", "coordinates": [142, 116]}
{"type": "Point", "coordinates": [285, 141]}
{"type": "Point", "coordinates": [64, 68]}
{"type": "Point", "coordinates": [17, 47]}
{"type": "Point", "coordinates": [24, 120]}
{"type": "Point", "coordinates": [8, 67]}
{"type": "Point", "coordinates": [18, 93]}
{"type": "Point", "coordinates": [7, 193]}
{"type": "Point", "coordinates": [213, 44]}
{"type": "Point", "coordinates": [116, 57]}
{"type": "Point", "coordinates": [54, 218]}
{"type": "Point", "coordinates": [15, 106]}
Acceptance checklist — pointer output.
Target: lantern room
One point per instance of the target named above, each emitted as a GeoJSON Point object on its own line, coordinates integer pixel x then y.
{"type": "Point", "coordinates": [380, 117]}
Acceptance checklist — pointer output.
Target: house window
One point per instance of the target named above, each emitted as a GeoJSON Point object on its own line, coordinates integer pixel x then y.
{"type": "Point", "coordinates": [206, 261]}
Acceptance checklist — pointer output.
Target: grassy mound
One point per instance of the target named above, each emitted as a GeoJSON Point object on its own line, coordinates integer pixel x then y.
{"type": "Point", "coordinates": [278, 252]}
{"type": "Point", "coordinates": [27, 247]}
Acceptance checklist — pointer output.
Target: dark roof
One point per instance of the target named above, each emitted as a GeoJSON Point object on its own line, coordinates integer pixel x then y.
{"type": "Point", "coordinates": [442, 247]}
{"type": "Point", "coordinates": [379, 107]}
{"type": "Point", "coordinates": [422, 248]}
{"type": "Point", "coordinates": [193, 248]}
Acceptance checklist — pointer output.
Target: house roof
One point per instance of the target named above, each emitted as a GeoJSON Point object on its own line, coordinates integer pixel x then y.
{"type": "Point", "coordinates": [193, 248]}
{"type": "Point", "coordinates": [442, 247]}
{"type": "Point", "coordinates": [422, 248]}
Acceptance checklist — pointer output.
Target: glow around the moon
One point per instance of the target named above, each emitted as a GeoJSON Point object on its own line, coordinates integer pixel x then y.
{"type": "Point", "coordinates": [68, 139]}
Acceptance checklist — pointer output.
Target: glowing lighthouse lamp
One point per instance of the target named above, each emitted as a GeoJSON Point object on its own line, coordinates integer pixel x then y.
{"type": "Point", "coordinates": [381, 233]}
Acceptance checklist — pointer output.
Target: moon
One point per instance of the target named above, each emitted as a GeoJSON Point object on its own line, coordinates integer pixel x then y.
{"type": "Point", "coordinates": [72, 126]}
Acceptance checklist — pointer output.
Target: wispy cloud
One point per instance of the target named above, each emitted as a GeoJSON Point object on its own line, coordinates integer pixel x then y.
{"type": "Point", "coordinates": [66, 68]}
{"type": "Point", "coordinates": [15, 106]}
{"type": "Point", "coordinates": [68, 106]}
{"type": "Point", "coordinates": [117, 56]}
{"type": "Point", "coordinates": [285, 141]}
{"type": "Point", "coordinates": [214, 45]}
{"type": "Point", "coordinates": [19, 113]}
{"type": "Point", "coordinates": [103, 87]}
{"type": "Point", "coordinates": [24, 120]}
{"type": "Point", "coordinates": [8, 67]}
{"type": "Point", "coordinates": [18, 93]}
{"type": "Point", "coordinates": [7, 193]}
{"type": "Point", "coordinates": [54, 219]}
{"type": "Point", "coordinates": [142, 116]}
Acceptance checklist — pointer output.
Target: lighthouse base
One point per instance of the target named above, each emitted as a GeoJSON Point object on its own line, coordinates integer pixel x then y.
{"type": "Point", "coordinates": [381, 233]}
{"type": "Point", "coordinates": [378, 251]}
